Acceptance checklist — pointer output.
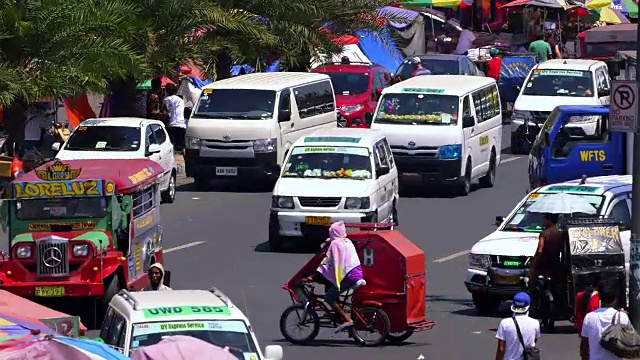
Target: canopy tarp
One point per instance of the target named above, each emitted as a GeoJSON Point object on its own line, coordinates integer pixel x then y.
{"type": "Point", "coordinates": [78, 110]}
{"type": "Point", "coordinates": [380, 49]}
{"type": "Point", "coordinates": [398, 17]}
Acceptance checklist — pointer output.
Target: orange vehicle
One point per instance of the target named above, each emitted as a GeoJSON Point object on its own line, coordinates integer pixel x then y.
{"type": "Point", "coordinates": [391, 303]}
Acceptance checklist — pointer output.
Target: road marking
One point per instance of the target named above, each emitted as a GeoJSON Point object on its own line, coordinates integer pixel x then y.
{"type": "Point", "coordinates": [509, 159]}
{"type": "Point", "coordinates": [181, 247]}
{"type": "Point", "coordinates": [452, 256]}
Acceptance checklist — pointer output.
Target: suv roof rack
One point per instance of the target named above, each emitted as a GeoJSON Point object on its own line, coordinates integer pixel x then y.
{"type": "Point", "coordinates": [224, 298]}
{"type": "Point", "coordinates": [128, 297]}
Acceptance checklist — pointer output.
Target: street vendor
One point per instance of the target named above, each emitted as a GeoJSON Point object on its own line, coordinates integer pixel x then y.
{"type": "Point", "coordinates": [494, 64]}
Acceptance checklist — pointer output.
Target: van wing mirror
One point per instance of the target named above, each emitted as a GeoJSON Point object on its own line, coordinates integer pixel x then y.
{"type": "Point", "coordinates": [153, 149]}
{"type": "Point", "coordinates": [56, 146]}
{"type": "Point", "coordinates": [499, 220]}
{"type": "Point", "coordinates": [382, 170]}
{"type": "Point", "coordinates": [468, 121]}
{"type": "Point", "coordinates": [284, 115]}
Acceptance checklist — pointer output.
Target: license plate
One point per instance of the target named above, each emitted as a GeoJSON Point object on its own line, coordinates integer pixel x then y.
{"type": "Point", "coordinates": [317, 220]}
{"type": "Point", "coordinates": [50, 291]}
{"type": "Point", "coordinates": [227, 171]}
{"type": "Point", "coordinates": [507, 279]}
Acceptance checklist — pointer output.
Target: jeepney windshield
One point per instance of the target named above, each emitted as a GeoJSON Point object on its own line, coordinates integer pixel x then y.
{"type": "Point", "coordinates": [64, 208]}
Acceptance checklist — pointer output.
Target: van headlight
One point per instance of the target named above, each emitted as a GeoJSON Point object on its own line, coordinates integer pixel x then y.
{"type": "Point", "coordinates": [351, 108]}
{"type": "Point", "coordinates": [450, 152]}
{"type": "Point", "coordinates": [479, 261]}
{"type": "Point", "coordinates": [265, 145]}
{"type": "Point", "coordinates": [282, 202]}
{"type": "Point", "coordinates": [353, 203]}
{"type": "Point", "coordinates": [23, 252]}
{"type": "Point", "coordinates": [81, 250]}
{"type": "Point", "coordinates": [193, 143]}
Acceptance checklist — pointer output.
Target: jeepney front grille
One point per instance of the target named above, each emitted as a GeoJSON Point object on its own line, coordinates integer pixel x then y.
{"type": "Point", "coordinates": [319, 201]}
{"type": "Point", "coordinates": [52, 257]}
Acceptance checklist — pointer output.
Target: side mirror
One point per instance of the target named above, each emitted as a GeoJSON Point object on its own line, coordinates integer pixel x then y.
{"type": "Point", "coordinates": [284, 115]}
{"type": "Point", "coordinates": [153, 149]}
{"type": "Point", "coordinates": [499, 220]}
{"type": "Point", "coordinates": [56, 146]}
{"type": "Point", "coordinates": [468, 121]}
{"type": "Point", "coordinates": [166, 280]}
{"type": "Point", "coordinates": [382, 170]}
{"type": "Point", "coordinates": [273, 352]}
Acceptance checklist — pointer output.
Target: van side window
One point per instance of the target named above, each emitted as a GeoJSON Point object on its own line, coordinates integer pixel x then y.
{"type": "Point", "coordinates": [144, 200]}
{"type": "Point", "coordinates": [115, 330]}
{"type": "Point", "coordinates": [381, 155]}
{"type": "Point", "coordinates": [477, 103]}
{"type": "Point", "coordinates": [314, 99]}
{"type": "Point", "coordinates": [602, 83]}
{"type": "Point", "coordinates": [387, 149]}
{"type": "Point", "coordinates": [570, 136]}
{"type": "Point", "coordinates": [159, 133]}
{"type": "Point", "coordinates": [285, 100]}
{"type": "Point", "coordinates": [108, 319]}
{"type": "Point", "coordinates": [466, 108]}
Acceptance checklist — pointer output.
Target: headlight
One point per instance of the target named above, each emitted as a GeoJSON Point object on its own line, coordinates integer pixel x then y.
{"type": "Point", "coordinates": [351, 108]}
{"type": "Point", "coordinates": [520, 116]}
{"type": "Point", "coordinates": [353, 203]}
{"type": "Point", "coordinates": [282, 202]}
{"type": "Point", "coordinates": [479, 261]}
{"type": "Point", "coordinates": [193, 143]}
{"type": "Point", "coordinates": [450, 152]}
{"type": "Point", "coordinates": [265, 145]}
{"type": "Point", "coordinates": [23, 252]}
{"type": "Point", "coordinates": [81, 250]}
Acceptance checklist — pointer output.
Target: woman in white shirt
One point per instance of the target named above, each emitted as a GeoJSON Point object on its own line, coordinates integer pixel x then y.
{"type": "Point", "coordinates": [177, 126]}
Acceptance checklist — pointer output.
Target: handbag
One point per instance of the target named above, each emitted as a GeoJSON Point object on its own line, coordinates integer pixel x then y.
{"type": "Point", "coordinates": [620, 339]}
{"type": "Point", "coordinates": [529, 352]}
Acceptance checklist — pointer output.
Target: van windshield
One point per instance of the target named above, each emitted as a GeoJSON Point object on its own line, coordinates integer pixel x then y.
{"type": "Point", "coordinates": [550, 82]}
{"type": "Point", "coordinates": [236, 104]}
{"type": "Point", "coordinates": [226, 333]}
{"type": "Point", "coordinates": [328, 162]}
{"type": "Point", "coordinates": [418, 109]}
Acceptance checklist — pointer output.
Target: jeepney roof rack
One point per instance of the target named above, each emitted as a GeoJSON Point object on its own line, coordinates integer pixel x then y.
{"type": "Point", "coordinates": [128, 297]}
{"type": "Point", "coordinates": [224, 298]}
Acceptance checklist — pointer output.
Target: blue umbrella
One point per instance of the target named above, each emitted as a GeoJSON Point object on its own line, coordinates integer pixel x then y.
{"type": "Point", "coordinates": [93, 347]}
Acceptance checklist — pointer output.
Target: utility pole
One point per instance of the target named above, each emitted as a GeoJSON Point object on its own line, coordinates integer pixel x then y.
{"type": "Point", "coordinates": [634, 265]}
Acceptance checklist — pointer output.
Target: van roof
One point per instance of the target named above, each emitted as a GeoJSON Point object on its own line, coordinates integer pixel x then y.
{"type": "Point", "coordinates": [120, 121]}
{"type": "Point", "coordinates": [596, 185]}
{"type": "Point", "coordinates": [267, 81]}
{"type": "Point", "coordinates": [145, 300]}
{"type": "Point", "coordinates": [443, 84]}
{"type": "Point", "coordinates": [568, 64]}
{"type": "Point", "coordinates": [345, 136]}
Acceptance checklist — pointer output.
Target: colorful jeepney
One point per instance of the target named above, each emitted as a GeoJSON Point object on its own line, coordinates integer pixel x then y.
{"type": "Point", "coordinates": [82, 228]}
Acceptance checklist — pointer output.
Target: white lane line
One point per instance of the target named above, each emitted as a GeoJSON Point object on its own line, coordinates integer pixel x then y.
{"type": "Point", "coordinates": [452, 256]}
{"type": "Point", "coordinates": [181, 247]}
{"type": "Point", "coordinates": [509, 159]}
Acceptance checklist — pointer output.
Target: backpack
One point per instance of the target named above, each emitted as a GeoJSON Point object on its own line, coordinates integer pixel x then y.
{"type": "Point", "coordinates": [530, 352]}
{"type": "Point", "coordinates": [621, 340]}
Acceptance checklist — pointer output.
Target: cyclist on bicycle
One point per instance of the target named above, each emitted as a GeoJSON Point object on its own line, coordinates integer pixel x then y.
{"type": "Point", "coordinates": [340, 270]}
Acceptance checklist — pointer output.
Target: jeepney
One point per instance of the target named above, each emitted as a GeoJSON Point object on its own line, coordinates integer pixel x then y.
{"type": "Point", "coordinates": [82, 228]}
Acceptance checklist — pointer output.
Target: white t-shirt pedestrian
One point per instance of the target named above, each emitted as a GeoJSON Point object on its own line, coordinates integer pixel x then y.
{"type": "Point", "coordinates": [530, 329]}
{"type": "Point", "coordinates": [175, 106]}
{"type": "Point", "coordinates": [465, 41]}
{"type": "Point", "coordinates": [594, 324]}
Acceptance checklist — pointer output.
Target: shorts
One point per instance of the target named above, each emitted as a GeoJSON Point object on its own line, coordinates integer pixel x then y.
{"type": "Point", "coordinates": [331, 293]}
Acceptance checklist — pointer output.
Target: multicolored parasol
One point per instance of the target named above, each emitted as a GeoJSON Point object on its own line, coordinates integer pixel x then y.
{"type": "Point", "coordinates": [62, 348]}
{"type": "Point", "coordinates": [597, 4]}
{"type": "Point", "coordinates": [16, 330]}
{"type": "Point", "coordinates": [609, 16]}
{"type": "Point", "coordinates": [414, 4]}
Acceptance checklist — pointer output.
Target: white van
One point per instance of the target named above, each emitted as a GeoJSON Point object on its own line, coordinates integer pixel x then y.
{"type": "Point", "coordinates": [334, 175]}
{"type": "Point", "coordinates": [558, 82]}
{"type": "Point", "coordinates": [445, 128]}
{"type": "Point", "coordinates": [243, 126]}
{"type": "Point", "coordinates": [139, 319]}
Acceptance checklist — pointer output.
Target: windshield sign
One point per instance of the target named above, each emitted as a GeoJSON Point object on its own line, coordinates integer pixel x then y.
{"type": "Point", "coordinates": [67, 208]}
{"type": "Point", "coordinates": [104, 138]}
{"type": "Point", "coordinates": [349, 83]}
{"type": "Point", "coordinates": [418, 108]}
{"type": "Point", "coordinates": [559, 83]}
{"type": "Point", "coordinates": [328, 162]}
{"type": "Point", "coordinates": [236, 104]}
{"type": "Point", "coordinates": [526, 221]}
{"type": "Point", "coordinates": [227, 333]}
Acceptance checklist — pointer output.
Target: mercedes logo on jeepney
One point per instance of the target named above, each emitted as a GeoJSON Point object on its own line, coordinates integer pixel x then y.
{"type": "Point", "coordinates": [52, 257]}
{"type": "Point", "coordinates": [412, 144]}
{"type": "Point", "coordinates": [226, 138]}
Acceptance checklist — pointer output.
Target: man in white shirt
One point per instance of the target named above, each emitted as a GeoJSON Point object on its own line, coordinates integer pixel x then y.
{"type": "Point", "coordinates": [177, 126]}
{"type": "Point", "coordinates": [509, 346]}
{"type": "Point", "coordinates": [466, 39]}
{"type": "Point", "coordinates": [597, 321]}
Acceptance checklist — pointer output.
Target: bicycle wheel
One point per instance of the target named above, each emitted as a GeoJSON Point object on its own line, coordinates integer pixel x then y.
{"type": "Point", "coordinates": [370, 320]}
{"type": "Point", "coordinates": [400, 337]}
{"type": "Point", "coordinates": [302, 319]}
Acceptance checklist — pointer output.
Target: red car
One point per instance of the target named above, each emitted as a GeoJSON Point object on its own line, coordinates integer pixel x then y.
{"type": "Point", "coordinates": [357, 87]}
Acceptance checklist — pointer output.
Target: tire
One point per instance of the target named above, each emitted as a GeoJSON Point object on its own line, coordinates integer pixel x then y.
{"type": "Point", "coordinates": [464, 183]}
{"type": "Point", "coordinates": [169, 195]}
{"type": "Point", "coordinates": [312, 317]}
{"type": "Point", "coordinates": [399, 338]}
{"type": "Point", "coordinates": [489, 180]}
{"type": "Point", "coordinates": [275, 242]}
{"type": "Point", "coordinates": [384, 332]}
{"type": "Point", "coordinates": [111, 288]}
{"type": "Point", "coordinates": [485, 305]}
{"type": "Point", "coordinates": [201, 182]}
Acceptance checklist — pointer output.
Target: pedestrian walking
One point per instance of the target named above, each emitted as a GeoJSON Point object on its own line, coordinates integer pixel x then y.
{"type": "Point", "coordinates": [177, 126]}
{"type": "Point", "coordinates": [597, 321]}
{"type": "Point", "coordinates": [517, 330]}
{"type": "Point", "coordinates": [586, 302]}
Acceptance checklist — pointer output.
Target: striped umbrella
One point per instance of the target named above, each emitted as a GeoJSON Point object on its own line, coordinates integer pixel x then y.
{"type": "Point", "coordinates": [415, 4]}
{"type": "Point", "coordinates": [597, 4]}
{"type": "Point", "coordinates": [17, 330]}
{"type": "Point", "coordinates": [609, 16]}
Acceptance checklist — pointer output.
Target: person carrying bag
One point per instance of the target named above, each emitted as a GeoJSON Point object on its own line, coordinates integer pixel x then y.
{"type": "Point", "coordinates": [530, 352]}
{"type": "Point", "coordinates": [621, 339]}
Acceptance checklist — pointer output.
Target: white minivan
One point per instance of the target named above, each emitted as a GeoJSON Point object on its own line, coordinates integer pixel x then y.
{"type": "Point", "coordinates": [334, 175]}
{"type": "Point", "coordinates": [558, 82]}
{"type": "Point", "coordinates": [445, 128]}
{"type": "Point", "coordinates": [243, 126]}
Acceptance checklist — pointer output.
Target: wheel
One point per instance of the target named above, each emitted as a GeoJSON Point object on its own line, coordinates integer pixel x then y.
{"type": "Point", "coordinates": [399, 338]}
{"type": "Point", "coordinates": [489, 179]}
{"type": "Point", "coordinates": [202, 183]}
{"type": "Point", "coordinates": [111, 288]}
{"type": "Point", "coordinates": [275, 243]}
{"type": "Point", "coordinates": [464, 183]}
{"type": "Point", "coordinates": [485, 304]}
{"type": "Point", "coordinates": [169, 195]}
{"type": "Point", "coordinates": [370, 320]}
{"type": "Point", "coordinates": [302, 318]}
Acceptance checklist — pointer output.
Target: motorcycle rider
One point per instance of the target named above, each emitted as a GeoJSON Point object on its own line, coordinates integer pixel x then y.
{"type": "Point", "coordinates": [156, 278]}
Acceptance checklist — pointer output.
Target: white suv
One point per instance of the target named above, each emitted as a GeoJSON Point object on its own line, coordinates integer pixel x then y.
{"type": "Point", "coordinates": [124, 138]}
{"type": "Point", "coordinates": [140, 319]}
